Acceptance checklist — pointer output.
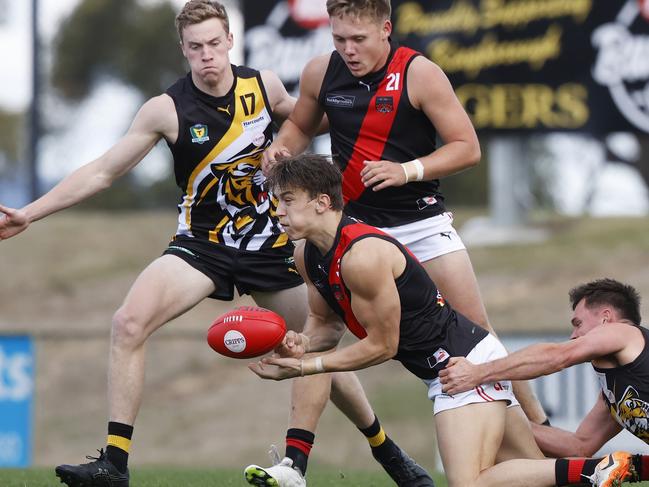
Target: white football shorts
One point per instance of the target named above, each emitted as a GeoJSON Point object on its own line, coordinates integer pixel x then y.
{"type": "Point", "coordinates": [428, 238]}
{"type": "Point", "coordinates": [489, 348]}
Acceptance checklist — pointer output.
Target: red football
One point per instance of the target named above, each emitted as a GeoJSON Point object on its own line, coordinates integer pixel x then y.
{"type": "Point", "coordinates": [245, 332]}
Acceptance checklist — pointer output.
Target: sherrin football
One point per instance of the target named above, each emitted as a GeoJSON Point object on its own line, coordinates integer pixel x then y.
{"type": "Point", "coordinates": [246, 332]}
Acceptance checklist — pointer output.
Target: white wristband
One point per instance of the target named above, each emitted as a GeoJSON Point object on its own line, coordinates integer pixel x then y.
{"type": "Point", "coordinates": [318, 364]}
{"type": "Point", "coordinates": [418, 167]}
{"type": "Point", "coordinates": [405, 171]}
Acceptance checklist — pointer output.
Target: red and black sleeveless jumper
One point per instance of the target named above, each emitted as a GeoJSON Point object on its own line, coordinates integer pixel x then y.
{"type": "Point", "coordinates": [371, 118]}
{"type": "Point", "coordinates": [428, 323]}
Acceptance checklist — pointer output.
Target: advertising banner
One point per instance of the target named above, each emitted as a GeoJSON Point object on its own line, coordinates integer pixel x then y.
{"type": "Point", "coordinates": [16, 393]}
{"type": "Point", "coordinates": [284, 35]}
{"type": "Point", "coordinates": [538, 65]}
{"type": "Point", "coordinates": [516, 65]}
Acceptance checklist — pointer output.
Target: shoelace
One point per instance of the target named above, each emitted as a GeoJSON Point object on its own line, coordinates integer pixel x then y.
{"type": "Point", "coordinates": [102, 454]}
{"type": "Point", "coordinates": [275, 459]}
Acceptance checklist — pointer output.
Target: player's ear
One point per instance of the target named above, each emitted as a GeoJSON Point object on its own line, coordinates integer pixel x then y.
{"type": "Point", "coordinates": [323, 202]}
{"type": "Point", "coordinates": [606, 315]}
{"type": "Point", "coordinates": [386, 29]}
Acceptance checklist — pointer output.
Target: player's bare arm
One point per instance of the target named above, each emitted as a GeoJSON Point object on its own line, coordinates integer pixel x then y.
{"type": "Point", "coordinates": [322, 330]}
{"type": "Point", "coordinates": [594, 431]}
{"type": "Point", "coordinates": [280, 101]}
{"type": "Point", "coordinates": [536, 360]}
{"type": "Point", "coordinates": [368, 269]}
{"type": "Point", "coordinates": [155, 119]}
{"type": "Point", "coordinates": [305, 121]}
{"type": "Point", "coordinates": [430, 91]}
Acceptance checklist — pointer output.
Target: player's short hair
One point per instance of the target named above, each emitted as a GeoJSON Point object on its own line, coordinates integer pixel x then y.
{"type": "Point", "coordinates": [378, 10]}
{"type": "Point", "coordinates": [197, 11]}
{"type": "Point", "coordinates": [314, 173]}
{"type": "Point", "coordinates": [623, 297]}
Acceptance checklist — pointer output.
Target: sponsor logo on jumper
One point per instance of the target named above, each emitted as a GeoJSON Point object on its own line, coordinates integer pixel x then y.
{"type": "Point", "coordinates": [224, 109]}
{"type": "Point", "coordinates": [340, 101]}
{"type": "Point", "coordinates": [425, 202]}
{"type": "Point", "coordinates": [259, 139]}
{"type": "Point", "coordinates": [199, 133]}
{"type": "Point", "coordinates": [439, 357]}
{"type": "Point", "coordinates": [384, 104]}
{"type": "Point", "coordinates": [253, 124]}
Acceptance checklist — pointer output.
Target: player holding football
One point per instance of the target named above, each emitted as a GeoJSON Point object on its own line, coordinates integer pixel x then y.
{"type": "Point", "coordinates": [358, 273]}
{"type": "Point", "coordinates": [216, 122]}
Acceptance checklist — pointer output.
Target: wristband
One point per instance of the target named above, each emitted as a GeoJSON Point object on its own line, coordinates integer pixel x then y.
{"type": "Point", "coordinates": [415, 166]}
{"type": "Point", "coordinates": [319, 367]}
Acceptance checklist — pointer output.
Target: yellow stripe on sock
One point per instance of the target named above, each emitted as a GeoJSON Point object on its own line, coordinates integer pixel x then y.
{"type": "Point", "coordinates": [377, 439]}
{"type": "Point", "coordinates": [119, 442]}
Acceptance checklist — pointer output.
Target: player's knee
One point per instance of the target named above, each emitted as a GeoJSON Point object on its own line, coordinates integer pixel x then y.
{"type": "Point", "coordinates": [127, 329]}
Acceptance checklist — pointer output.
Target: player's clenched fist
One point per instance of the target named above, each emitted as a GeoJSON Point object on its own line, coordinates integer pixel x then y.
{"type": "Point", "coordinates": [271, 154]}
{"type": "Point", "coordinates": [12, 222]}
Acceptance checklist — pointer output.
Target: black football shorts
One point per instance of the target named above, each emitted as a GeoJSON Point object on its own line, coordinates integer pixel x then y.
{"type": "Point", "coordinates": [259, 270]}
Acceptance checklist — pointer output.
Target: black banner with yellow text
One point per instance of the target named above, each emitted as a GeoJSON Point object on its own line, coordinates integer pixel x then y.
{"type": "Point", "coordinates": [516, 65]}
{"type": "Point", "coordinates": [538, 65]}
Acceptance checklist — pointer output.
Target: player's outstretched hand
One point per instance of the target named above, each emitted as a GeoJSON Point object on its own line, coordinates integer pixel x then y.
{"type": "Point", "coordinates": [382, 174]}
{"type": "Point", "coordinates": [271, 155]}
{"type": "Point", "coordinates": [293, 345]}
{"type": "Point", "coordinates": [12, 222]}
{"type": "Point", "coordinates": [459, 375]}
{"type": "Point", "coordinates": [277, 368]}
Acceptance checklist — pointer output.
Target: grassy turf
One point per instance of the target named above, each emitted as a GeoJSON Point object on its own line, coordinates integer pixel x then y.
{"type": "Point", "coordinates": [179, 477]}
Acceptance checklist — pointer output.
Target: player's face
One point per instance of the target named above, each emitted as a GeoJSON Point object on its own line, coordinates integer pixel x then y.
{"type": "Point", "coordinates": [584, 319]}
{"type": "Point", "coordinates": [206, 47]}
{"type": "Point", "coordinates": [362, 42]}
{"type": "Point", "coordinates": [296, 211]}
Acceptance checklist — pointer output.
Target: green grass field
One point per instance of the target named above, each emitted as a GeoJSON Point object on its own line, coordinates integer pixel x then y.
{"type": "Point", "coordinates": [175, 477]}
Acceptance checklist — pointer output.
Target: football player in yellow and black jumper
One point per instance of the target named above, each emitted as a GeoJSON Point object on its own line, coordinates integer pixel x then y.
{"type": "Point", "coordinates": [217, 121]}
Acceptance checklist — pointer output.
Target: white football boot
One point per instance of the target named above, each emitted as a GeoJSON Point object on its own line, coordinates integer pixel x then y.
{"type": "Point", "coordinates": [281, 474]}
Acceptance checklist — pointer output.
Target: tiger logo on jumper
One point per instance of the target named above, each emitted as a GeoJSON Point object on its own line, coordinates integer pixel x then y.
{"type": "Point", "coordinates": [242, 195]}
{"type": "Point", "coordinates": [633, 414]}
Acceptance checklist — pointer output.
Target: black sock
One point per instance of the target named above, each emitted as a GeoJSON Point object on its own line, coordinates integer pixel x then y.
{"type": "Point", "coordinates": [382, 446]}
{"type": "Point", "coordinates": [298, 446]}
{"type": "Point", "coordinates": [119, 444]}
{"type": "Point", "coordinates": [573, 471]}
